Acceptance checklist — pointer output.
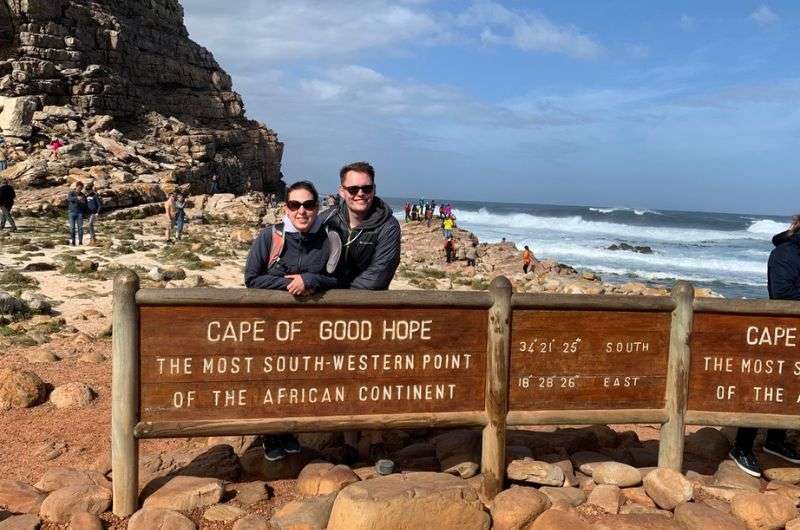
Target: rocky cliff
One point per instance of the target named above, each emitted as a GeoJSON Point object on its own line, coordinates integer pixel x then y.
{"type": "Point", "coordinates": [141, 107]}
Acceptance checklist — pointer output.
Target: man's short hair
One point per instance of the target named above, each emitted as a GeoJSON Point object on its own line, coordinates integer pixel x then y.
{"type": "Point", "coordinates": [360, 167]}
{"type": "Point", "coordinates": [304, 185]}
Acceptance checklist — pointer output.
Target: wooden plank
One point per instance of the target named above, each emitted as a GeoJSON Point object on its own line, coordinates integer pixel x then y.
{"type": "Point", "coordinates": [222, 362]}
{"type": "Point", "coordinates": [124, 394]}
{"type": "Point", "coordinates": [580, 417]}
{"type": "Point", "coordinates": [670, 450]}
{"type": "Point", "coordinates": [570, 359]}
{"type": "Point", "coordinates": [747, 307]}
{"type": "Point", "coordinates": [493, 454]}
{"type": "Point", "coordinates": [232, 427]}
{"type": "Point", "coordinates": [745, 363]}
{"type": "Point", "coordinates": [592, 302]}
{"type": "Point", "coordinates": [734, 419]}
{"type": "Point", "coordinates": [350, 298]}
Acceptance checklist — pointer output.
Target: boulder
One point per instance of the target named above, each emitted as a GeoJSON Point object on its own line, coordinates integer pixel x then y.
{"type": "Point", "coordinates": [240, 444]}
{"type": "Point", "coordinates": [535, 472]}
{"type": "Point", "coordinates": [224, 513]}
{"type": "Point", "coordinates": [515, 508]}
{"type": "Point", "coordinates": [306, 514]}
{"type": "Point", "coordinates": [159, 518]}
{"type": "Point", "coordinates": [20, 389]}
{"type": "Point", "coordinates": [322, 478]}
{"type": "Point", "coordinates": [19, 497]}
{"type": "Point", "coordinates": [459, 452]}
{"type": "Point", "coordinates": [709, 443]}
{"type": "Point", "coordinates": [61, 504]}
{"type": "Point", "coordinates": [254, 464]}
{"type": "Point", "coordinates": [21, 522]}
{"type": "Point", "coordinates": [784, 474]}
{"type": "Point", "coordinates": [41, 356]}
{"type": "Point", "coordinates": [54, 479]}
{"type": "Point", "coordinates": [728, 475]}
{"type": "Point", "coordinates": [85, 521]}
{"type": "Point", "coordinates": [606, 497]}
{"type": "Point", "coordinates": [569, 495]}
{"type": "Point", "coordinates": [788, 490]}
{"type": "Point", "coordinates": [554, 519]}
{"type": "Point", "coordinates": [667, 487]}
{"type": "Point", "coordinates": [430, 500]}
{"type": "Point", "coordinates": [763, 511]}
{"type": "Point", "coordinates": [636, 522]}
{"type": "Point", "coordinates": [72, 395]}
{"type": "Point", "coordinates": [253, 522]}
{"type": "Point", "coordinates": [10, 305]}
{"type": "Point", "coordinates": [16, 116]}
{"type": "Point", "coordinates": [697, 516]}
{"type": "Point", "coordinates": [186, 493]}
{"type": "Point", "coordinates": [248, 493]}
{"type": "Point", "coordinates": [616, 474]}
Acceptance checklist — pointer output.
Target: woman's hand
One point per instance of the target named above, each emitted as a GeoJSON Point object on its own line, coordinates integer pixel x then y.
{"type": "Point", "coordinates": [296, 285]}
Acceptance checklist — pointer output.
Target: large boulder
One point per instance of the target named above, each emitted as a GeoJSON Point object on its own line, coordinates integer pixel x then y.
{"type": "Point", "coordinates": [16, 116]}
{"type": "Point", "coordinates": [535, 472]}
{"type": "Point", "coordinates": [760, 511]}
{"type": "Point", "coordinates": [638, 521]}
{"type": "Point", "coordinates": [72, 395]}
{"type": "Point", "coordinates": [20, 389]}
{"type": "Point", "coordinates": [667, 487]}
{"type": "Point", "coordinates": [61, 504]}
{"type": "Point", "coordinates": [459, 452]}
{"type": "Point", "coordinates": [728, 475]}
{"type": "Point", "coordinates": [159, 518]}
{"type": "Point", "coordinates": [517, 507]}
{"type": "Point", "coordinates": [186, 493]}
{"type": "Point", "coordinates": [698, 516]}
{"type": "Point", "coordinates": [20, 522]}
{"type": "Point", "coordinates": [54, 479]}
{"type": "Point", "coordinates": [554, 519]}
{"type": "Point", "coordinates": [616, 474]}
{"type": "Point", "coordinates": [606, 497]}
{"type": "Point", "coordinates": [413, 500]}
{"type": "Point", "coordinates": [709, 443]}
{"type": "Point", "coordinates": [322, 478]}
{"type": "Point", "coordinates": [306, 514]}
{"type": "Point", "coordinates": [19, 497]}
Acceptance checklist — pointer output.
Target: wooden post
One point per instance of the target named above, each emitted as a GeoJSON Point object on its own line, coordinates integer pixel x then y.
{"type": "Point", "coordinates": [125, 394]}
{"type": "Point", "coordinates": [670, 451]}
{"type": "Point", "coordinates": [493, 456]}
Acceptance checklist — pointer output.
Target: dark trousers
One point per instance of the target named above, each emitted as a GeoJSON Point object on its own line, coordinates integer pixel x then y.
{"type": "Point", "coordinates": [76, 227]}
{"type": "Point", "coordinates": [745, 436]}
{"type": "Point", "coordinates": [525, 268]}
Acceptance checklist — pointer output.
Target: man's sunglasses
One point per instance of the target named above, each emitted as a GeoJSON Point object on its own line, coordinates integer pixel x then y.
{"type": "Point", "coordinates": [308, 205]}
{"type": "Point", "coordinates": [353, 190]}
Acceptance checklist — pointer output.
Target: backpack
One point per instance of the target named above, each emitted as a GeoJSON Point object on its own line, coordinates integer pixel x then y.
{"type": "Point", "coordinates": [278, 240]}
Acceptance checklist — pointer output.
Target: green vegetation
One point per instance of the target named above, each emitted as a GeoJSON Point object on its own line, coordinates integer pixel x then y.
{"type": "Point", "coordinates": [15, 280]}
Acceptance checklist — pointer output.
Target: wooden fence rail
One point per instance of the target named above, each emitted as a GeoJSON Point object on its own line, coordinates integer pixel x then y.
{"type": "Point", "coordinates": [209, 362]}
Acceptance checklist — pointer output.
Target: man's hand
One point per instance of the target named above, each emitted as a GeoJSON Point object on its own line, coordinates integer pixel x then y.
{"type": "Point", "coordinates": [296, 285]}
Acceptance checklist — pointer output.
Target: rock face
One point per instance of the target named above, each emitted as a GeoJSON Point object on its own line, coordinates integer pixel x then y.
{"type": "Point", "coordinates": [430, 500]}
{"type": "Point", "coordinates": [135, 100]}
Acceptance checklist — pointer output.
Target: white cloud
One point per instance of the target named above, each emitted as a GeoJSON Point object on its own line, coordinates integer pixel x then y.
{"type": "Point", "coordinates": [687, 23]}
{"type": "Point", "coordinates": [528, 31]}
{"type": "Point", "coordinates": [764, 16]}
{"type": "Point", "coordinates": [637, 51]}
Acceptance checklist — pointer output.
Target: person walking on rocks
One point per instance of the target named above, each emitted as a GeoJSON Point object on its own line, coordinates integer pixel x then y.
{"type": "Point", "coordinates": [93, 206]}
{"type": "Point", "coordinates": [447, 227]}
{"type": "Point", "coordinates": [449, 250]}
{"type": "Point", "coordinates": [169, 214]}
{"type": "Point", "coordinates": [55, 145]}
{"type": "Point", "coordinates": [298, 255]}
{"type": "Point", "coordinates": [471, 254]}
{"type": "Point", "coordinates": [783, 283]}
{"type": "Point", "coordinates": [180, 215]}
{"type": "Point", "coordinates": [370, 256]}
{"type": "Point", "coordinates": [76, 209]}
{"type": "Point", "coordinates": [528, 260]}
{"type": "Point", "coordinates": [7, 196]}
{"type": "Point", "coordinates": [214, 184]}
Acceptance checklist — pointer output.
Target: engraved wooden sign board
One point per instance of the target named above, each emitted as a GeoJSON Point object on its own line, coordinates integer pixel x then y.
{"type": "Point", "coordinates": [201, 363]}
{"type": "Point", "coordinates": [745, 363]}
{"type": "Point", "coordinates": [573, 360]}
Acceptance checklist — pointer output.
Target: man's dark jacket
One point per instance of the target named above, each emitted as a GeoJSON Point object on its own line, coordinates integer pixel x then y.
{"type": "Point", "coordinates": [7, 196]}
{"type": "Point", "coordinates": [783, 268]}
{"type": "Point", "coordinates": [371, 251]}
{"type": "Point", "coordinates": [304, 254]}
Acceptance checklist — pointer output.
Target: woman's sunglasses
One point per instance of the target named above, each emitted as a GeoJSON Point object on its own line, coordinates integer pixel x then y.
{"type": "Point", "coordinates": [295, 205]}
{"type": "Point", "coordinates": [353, 190]}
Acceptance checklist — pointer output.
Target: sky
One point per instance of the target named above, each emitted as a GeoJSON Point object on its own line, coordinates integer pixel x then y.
{"type": "Point", "coordinates": [679, 105]}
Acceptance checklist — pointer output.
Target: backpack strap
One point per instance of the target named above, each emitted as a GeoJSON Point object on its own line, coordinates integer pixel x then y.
{"type": "Point", "coordinates": [277, 244]}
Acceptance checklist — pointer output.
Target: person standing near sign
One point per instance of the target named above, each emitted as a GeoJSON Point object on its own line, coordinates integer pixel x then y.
{"type": "Point", "coordinates": [370, 255]}
{"type": "Point", "coordinates": [783, 283]}
{"type": "Point", "coordinates": [297, 255]}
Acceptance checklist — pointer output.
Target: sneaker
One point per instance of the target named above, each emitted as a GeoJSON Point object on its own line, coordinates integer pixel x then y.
{"type": "Point", "coordinates": [783, 450]}
{"type": "Point", "coordinates": [272, 450]}
{"type": "Point", "coordinates": [746, 461]}
{"type": "Point", "coordinates": [290, 444]}
{"type": "Point", "coordinates": [377, 453]}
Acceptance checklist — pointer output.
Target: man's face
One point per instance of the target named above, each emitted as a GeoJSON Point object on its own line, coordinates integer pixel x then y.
{"type": "Point", "coordinates": [360, 202]}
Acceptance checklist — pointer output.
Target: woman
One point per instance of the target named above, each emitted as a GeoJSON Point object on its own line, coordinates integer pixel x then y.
{"type": "Point", "coordinates": [297, 255]}
{"type": "Point", "coordinates": [76, 208]}
{"type": "Point", "coordinates": [93, 205]}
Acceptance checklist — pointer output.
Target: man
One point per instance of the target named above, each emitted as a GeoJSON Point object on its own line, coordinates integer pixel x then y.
{"type": "Point", "coordinates": [169, 212]}
{"type": "Point", "coordinates": [783, 283]}
{"type": "Point", "coordinates": [527, 260]}
{"type": "Point", "coordinates": [370, 254]}
{"type": "Point", "coordinates": [76, 209]}
{"type": "Point", "coordinates": [7, 196]}
{"type": "Point", "coordinates": [93, 206]}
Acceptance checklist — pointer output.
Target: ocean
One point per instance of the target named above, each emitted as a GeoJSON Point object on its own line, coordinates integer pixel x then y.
{"type": "Point", "coordinates": [725, 252]}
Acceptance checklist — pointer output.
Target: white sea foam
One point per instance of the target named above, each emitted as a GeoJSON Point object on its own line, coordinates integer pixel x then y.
{"type": "Point", "coordinates": [622, 209]}
{"type": "Point", "coordinates": [767, 226]}
{"type": "Point", "coordinates": [666, 276]}
{"type": "Point", "coordinates": [521, 222]}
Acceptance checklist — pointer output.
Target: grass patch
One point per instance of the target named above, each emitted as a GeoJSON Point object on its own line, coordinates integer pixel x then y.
{"type": "Point", "coordinates": [16, 280]}
{"type": "Point", "coordinates": [480, 284]}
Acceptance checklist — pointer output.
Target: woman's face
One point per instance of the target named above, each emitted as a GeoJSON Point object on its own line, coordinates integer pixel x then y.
{"type": "Point", "coordinates": [301, 217]}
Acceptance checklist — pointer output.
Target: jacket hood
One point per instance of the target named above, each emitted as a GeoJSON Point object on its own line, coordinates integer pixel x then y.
{"type": "Point", "coordinates": [289, 227]}
{"type": "Point", "coordinates": [377, 215]}
{"type": "Point", "coordinates": [785, 237]}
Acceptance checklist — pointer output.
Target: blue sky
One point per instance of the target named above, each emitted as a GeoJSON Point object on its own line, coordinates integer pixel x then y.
{"type": "Point", "coordinates": [680, 105]}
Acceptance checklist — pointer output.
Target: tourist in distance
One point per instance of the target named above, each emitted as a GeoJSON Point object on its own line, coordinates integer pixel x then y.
{"type": "Point", "coordinates": [180, 215]}
{"type": "Point", "coordinates": [471, 254]}
{"type": "Point", "coordinates": [76, 209]}
{"type": "Point", "coordinates": [528, 259]}
{"type": "Point", "coordinates": [7, 196]}
{"type": "Point", "coordinates": [297, 255]}
{"type": "Point", "coordinates": [447, 226]}
{"type": "Point", "coordinates": [55, 145]}
{"type": "Point", "coordinates": [214, 184]}
{"type": "Point", "coordinates": [449, 250]}
{"type": "Point", "coordinates": [783, 283]}
{"type": "Point", "coordinates": [370, 255]}
{"type": "Point", "coordinates": [93, 206]}
{"type": "Point", "coordinates": [169, 215]}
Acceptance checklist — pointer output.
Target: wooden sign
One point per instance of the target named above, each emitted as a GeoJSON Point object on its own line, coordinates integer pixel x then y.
{"type": "Point", "coordinates": [583, 360]}
{"type": "Point", "coordinates": [200, 363]}
{"type": "Point", "coordinates": [745, 364]}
